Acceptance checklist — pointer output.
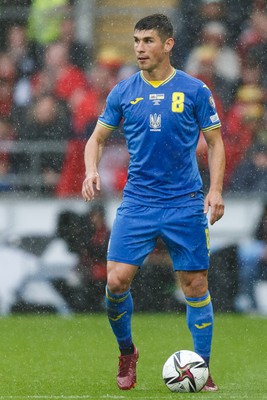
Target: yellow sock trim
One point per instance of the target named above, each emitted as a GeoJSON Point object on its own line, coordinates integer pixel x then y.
{"type": "Point", "coordinates": [114, 300]}
{"type": "Point", "coordinates": [201, 303]}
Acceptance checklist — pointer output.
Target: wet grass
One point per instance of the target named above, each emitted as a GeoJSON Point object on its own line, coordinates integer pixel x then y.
{"type": "Point", "coordinates": [49, 357]}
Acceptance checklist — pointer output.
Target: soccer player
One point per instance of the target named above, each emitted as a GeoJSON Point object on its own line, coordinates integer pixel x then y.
{"type": "Point", "coordinates": [163, 111]}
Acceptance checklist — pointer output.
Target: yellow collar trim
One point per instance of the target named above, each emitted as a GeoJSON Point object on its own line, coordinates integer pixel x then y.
{"type": "Point", "coordinates": [158, 83]}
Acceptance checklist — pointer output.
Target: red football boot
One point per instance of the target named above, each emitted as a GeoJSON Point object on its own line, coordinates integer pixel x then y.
{"type": "Point", "coordinates": [210, 386]}
{"type": "Point", "coordinates": [126, 377]}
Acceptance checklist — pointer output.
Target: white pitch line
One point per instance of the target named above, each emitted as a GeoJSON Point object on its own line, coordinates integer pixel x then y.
{"type": "Point", "coordinates": [65, 397]}
{"type": "Point", "coordinates": [107, 396]}
{"type": "Point", "coordinates": [38, 397]}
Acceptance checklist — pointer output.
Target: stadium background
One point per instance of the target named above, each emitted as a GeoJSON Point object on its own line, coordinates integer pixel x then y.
{"type": "Point", "coordinates": [30, 209]}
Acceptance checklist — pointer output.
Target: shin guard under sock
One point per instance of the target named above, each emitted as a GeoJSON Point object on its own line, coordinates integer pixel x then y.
{"type": "Point", "coordinates": [199, 318]}
{"type": "Point", "coordinates": [119, 311]}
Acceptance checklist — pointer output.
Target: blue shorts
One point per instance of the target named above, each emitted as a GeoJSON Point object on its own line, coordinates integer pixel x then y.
{"type": "Point", "coordinates": [183, 229]}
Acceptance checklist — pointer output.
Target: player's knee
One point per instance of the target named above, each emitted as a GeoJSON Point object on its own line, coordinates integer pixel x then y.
{"type": "Point", "coordinates": [195, 286]}
{"type": "Point", "coordinates": [119, 277]}
{"type": "Point", "coordinates": [116, 284]}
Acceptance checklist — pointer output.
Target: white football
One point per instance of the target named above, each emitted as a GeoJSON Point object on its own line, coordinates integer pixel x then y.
{"type": "Point", "coordinates": [185, 371]}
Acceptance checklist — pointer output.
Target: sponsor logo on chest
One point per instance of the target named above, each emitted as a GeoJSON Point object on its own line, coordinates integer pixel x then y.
{"type": "Point", "coordinates": [156, 98]}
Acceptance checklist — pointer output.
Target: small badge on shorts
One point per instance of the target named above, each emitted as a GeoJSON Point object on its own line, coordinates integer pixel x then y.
{"type": "Point", "coordinates": [193, 194]}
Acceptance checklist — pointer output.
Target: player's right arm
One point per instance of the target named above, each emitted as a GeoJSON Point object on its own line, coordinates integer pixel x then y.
{"type": "Point", "coordinates": [92, 155]}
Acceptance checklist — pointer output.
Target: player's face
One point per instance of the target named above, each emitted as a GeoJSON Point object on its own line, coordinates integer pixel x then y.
{"type": "Point", "coordinates": [149, 49]}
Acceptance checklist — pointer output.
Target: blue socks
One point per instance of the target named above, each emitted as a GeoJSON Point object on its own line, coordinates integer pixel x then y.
{"type": "Point", "coordinates": [120, 310]}
{"type": "Point", "coordinates": [199, 318]}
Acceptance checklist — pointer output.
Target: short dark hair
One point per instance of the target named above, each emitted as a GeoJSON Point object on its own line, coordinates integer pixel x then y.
{"type": "Point", "coordinates": [158, 22]}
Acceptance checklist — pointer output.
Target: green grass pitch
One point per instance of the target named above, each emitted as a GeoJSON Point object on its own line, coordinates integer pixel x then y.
{"type": "Point", "coordinates": [49, 357]}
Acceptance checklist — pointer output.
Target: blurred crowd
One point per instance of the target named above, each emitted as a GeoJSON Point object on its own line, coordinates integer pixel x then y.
{"type": "Point", "coordinates": [224, 43]}
{"type": "Point", "coordinates": [52, 90]}
{"type": "Point", "coordinates": [53, 87]}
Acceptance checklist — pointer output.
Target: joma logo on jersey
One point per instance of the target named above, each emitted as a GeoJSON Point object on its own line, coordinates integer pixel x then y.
{"type": "Point", "coordinates": [155, 122]}
{"type": "Point", "coordinates": [136, 100]}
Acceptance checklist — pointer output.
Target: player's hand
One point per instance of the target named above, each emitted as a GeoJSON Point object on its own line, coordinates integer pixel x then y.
{"type": "Point", "coordinates": [215, 203]}
{"type": "Point", "coordinates": [91, 182]}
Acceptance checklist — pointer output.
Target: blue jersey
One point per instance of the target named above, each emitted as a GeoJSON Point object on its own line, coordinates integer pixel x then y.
{"type": "Point", "coordinates": [161, 125]}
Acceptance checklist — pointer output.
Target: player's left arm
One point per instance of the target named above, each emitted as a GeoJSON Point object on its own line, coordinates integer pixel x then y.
{"type": "Point", "coordinates": [216, 156]}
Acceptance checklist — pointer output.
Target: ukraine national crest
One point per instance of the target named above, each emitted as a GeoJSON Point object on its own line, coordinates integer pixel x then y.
{"type": "Point", "coordinates": [155, 122]}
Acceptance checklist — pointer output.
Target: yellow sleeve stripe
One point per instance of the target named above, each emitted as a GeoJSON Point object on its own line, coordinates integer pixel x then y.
{"type": "Point", "coordinates": [114, 300]}
{"type": "Point", "coordinates": [201, 303]}
{"type": "Point", "coordinates": [111, 127]}
{"type": "Point", "coordinates": [210, 128]}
